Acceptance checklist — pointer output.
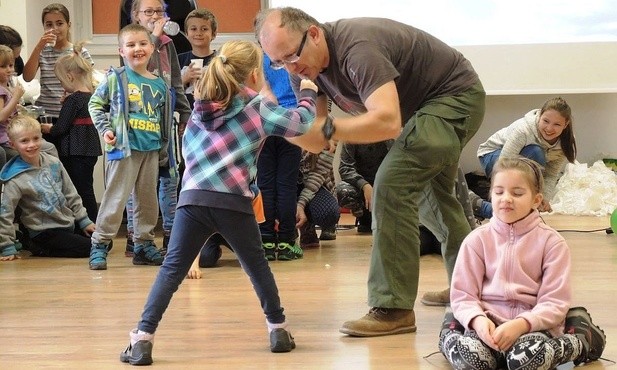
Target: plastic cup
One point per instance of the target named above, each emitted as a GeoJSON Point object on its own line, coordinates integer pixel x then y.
{"type": "Point", "coordinates": [51, 43]}
{"type": "Point", "coordinates": [171, 28]}
{"type": "Point", "coordinates": [197, 63]}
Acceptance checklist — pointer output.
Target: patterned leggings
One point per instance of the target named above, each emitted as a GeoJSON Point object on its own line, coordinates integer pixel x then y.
{"type": "Point", "coordinates": [537, 350]}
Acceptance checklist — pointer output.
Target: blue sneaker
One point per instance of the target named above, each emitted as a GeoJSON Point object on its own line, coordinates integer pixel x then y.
{"type": "Point", "coordinates": [147, 254]}
{"type": "Point", "coordinates": [98, 256]}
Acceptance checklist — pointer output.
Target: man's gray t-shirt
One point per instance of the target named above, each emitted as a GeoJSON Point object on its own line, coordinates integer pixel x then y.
{"type": "Point", "coordinates": [366, 53]}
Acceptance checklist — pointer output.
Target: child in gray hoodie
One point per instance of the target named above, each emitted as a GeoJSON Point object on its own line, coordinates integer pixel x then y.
{"type": "Point", "coordinates": [37, 184]}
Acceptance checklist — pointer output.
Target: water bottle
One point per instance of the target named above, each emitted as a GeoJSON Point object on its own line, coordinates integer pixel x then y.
{"type": "Point", "coordinates": [171, 28]}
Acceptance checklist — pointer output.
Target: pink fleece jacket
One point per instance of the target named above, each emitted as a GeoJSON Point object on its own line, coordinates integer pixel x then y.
{"type": "Point", "coordinates": [506, 271]}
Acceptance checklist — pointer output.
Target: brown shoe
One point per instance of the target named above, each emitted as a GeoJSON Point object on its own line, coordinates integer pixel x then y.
{"type": "Point", "coordinates": [381, 321]}
{"type": "Point", "coordinates": [436, 298]}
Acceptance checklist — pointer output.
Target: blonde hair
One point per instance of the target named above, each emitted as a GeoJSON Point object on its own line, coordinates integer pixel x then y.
{"type": "Point", "coordinates": [132, 28]}
{"type": "Point", "coordinates": [20, 123]}
{"type": "Point", "coordinates": [531, 170]}
{"type": "Point", "coordinates": [6, 56]}
{"type": "Point", "coordinates": [78, 66]}
{"type": "Point", "coordinates": [227, 72]}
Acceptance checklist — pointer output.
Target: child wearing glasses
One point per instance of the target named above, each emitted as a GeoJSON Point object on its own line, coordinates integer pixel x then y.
{"type": "Point", "coordinates": [163, 63]}
{"type": "Point", "coordinates": [227, 130]}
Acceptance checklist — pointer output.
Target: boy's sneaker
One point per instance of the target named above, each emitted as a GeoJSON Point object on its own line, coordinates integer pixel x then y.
{"type": "Point", "coordinates": [328, 233]}
{"type": "Point", "coordinates": [578, 323]}
{"type": "Point", "coordinates": [288, 251]}
{"type": "Point", "coordinates": [139, 351]}
{"type": "Point", "coordinates": [281, 341]}
{"type": "Point", "coordinates": [270, 249]}
{"type": "Point", "coordinates": [98, 256]}
{"type": "Point", "coordinates": [147, 254]}
{"type": "Point", "coordinates": [128, 252]}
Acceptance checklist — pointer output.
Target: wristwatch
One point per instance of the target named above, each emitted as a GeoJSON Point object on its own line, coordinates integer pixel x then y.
{"type": "Point", "coordinates": [328, 128]}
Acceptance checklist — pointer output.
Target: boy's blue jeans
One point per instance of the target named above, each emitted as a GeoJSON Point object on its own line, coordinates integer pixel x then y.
{"type": "Point", "coordinates": [193, 226]}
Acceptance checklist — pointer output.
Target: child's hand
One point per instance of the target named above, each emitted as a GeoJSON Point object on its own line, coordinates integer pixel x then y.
{"type": "Point", "coordinates": [66, 93]}
{"type": "Point", "coordinates": [157, 26]}
{"type": "Point", "coordinates": [301, 218]}
{"type": "Point", "coordinates": [308, 84]}
{"type": "Point", "coordinates": [48, 38]}
{"type": "Point", "coordinates": [109, 137]}
{"type": "Point", "coordinates": [545, 206]}
{"type": "Point", "coordinates": [88, 230]}
{"type": "Point", "coordinates": [507, 333]}
{"type": "Point", "coordinates": [46, 128]}
{"type": "Point", "coordinates": [485, 328]}
{"type": "Point", "coordinates": [194, 72]}
{"type": "Point", "coordinates": [18, 91]}
{"type": "Point", "coordinates": [12, 257]}
{"type": "Point", "coordinates": [367, 190]}
{"type": "Point", "coordinates": [194, 271]}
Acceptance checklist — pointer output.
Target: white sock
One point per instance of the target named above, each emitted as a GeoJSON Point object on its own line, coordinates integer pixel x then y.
{"type": "Point", "coordinates": [271, 326]}
{"type": "Point", "coordinates": [137, 335]}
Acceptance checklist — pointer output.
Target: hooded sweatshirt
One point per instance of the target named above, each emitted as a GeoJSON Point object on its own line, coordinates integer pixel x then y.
{"type": "Point", "coordinates": [111, 97]}
{"type": "Point", "coordinates": [46, 196]}
{"type": "Point", "coordinates": [522, 132]}
{"type": "Point", "coordinates": [164, 63]}
{"type": "Point", "coordinates": [220, 146]}
{"type": "Point", "coordinates": [508, 271]}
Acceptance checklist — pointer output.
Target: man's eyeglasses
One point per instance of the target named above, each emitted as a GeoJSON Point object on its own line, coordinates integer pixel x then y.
{"type": "Point", "coordinates": [150, 12]}
{"type": "Point", "coordinates": [294, 58]}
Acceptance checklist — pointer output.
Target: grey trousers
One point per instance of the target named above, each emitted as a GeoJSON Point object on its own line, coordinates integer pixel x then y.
{"type": "Point", "coordinates": [139, 171]}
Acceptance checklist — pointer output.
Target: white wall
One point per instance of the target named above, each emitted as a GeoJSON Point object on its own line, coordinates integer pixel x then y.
{"type": "Point", "coordinates": [595, 123]}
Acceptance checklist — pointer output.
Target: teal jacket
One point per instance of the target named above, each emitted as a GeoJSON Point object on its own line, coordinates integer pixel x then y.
{"type": "Point", "coordinates": [109, 109]}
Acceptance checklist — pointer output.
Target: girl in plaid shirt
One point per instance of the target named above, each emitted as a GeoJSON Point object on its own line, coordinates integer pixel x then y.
{"type": "Point", "coordinates": [221, 143]}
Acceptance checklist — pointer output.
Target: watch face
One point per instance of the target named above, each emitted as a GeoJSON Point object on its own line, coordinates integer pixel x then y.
{"type": "Point", "coordinates": [328, 128]}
